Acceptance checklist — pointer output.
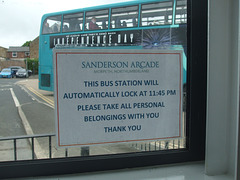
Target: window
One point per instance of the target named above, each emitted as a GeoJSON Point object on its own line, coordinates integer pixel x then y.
{"type": "Point", "coordinates": [72, 22]}
{"type": "Point", "coordinates": [133, 89]}
{"type": "Point", "coordinates": [27, 54]}
{"type": "Point", "coordinates": [52, 25]}
{"type": "Point", "coordinates": [97, 20]}
{"type": "Point", "coordinates": [157, 14]}
{"type": "Point", "coordinates": [14, 54]}
{"type": "Point", "coordinates": [181, 12]}
{"type": "Point", "coordinates": [124, 17]}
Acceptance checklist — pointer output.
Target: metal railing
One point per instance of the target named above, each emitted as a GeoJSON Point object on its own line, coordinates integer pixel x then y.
{"type": "Point", "coordinates": [30, 143]}
{"type": "Point", "coordinates": [42, 146]}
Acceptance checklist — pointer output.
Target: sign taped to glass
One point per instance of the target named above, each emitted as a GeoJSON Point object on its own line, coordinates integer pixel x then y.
{"type": "Point", "coordinates": [105, 97]}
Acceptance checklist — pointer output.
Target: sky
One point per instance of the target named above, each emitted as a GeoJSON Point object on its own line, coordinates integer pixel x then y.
{"type": "Point", "coordinates": [20, 19]}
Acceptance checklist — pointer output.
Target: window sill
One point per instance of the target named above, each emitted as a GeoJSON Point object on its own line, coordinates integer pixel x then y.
{"type": "Point", "coordinates": [187, 171]}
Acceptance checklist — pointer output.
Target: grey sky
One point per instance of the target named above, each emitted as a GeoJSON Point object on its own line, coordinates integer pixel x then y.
{"type": "Point", "coordinates": [20, 19]}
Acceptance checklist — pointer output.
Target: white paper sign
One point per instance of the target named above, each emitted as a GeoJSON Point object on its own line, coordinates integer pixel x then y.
{"type": "Point", "coordinates": [113, 96]}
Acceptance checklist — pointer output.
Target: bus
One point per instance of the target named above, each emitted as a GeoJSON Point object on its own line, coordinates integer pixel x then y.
{"type": "Point", "coordinates": [141, 24]}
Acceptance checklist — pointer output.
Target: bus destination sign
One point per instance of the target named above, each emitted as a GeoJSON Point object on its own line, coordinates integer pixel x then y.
{"type": "Point", "coordinates": [99, 39]}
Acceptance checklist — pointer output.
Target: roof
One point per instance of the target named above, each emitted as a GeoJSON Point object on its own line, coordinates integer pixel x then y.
{"type": "Point", "coordinates": [112, 5]}
{"type": "Point", "coordinates": [3, 47]}
{"type": "Point", "coordinates": [18, 49]}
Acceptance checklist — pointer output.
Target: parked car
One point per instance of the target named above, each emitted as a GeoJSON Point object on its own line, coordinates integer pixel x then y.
{"type": "Point", "coordinates": [15, 69]}
{"type": "Point", "coordinates": [6, 73]}
{"type": "Point", "coordinates": [29, 72]}
{"type": "Point", "coordinates": [22, 73]}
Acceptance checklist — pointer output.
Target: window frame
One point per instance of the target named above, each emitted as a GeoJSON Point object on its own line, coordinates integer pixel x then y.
{"type": "Point", "coordinates": [27, 54]}
{"type": "Point", "coordinates": [59, 31]}
{"type": "Point", "coordinates": [175, 19]}
{"type": "Point", "coordinates": [69, 31]}
{"type": "Point", "coordinates": [86, 21]}
{"type": "Point", "coordinates": [141, 16]}
{"type": "Point", "coordinates": [125, 7]}
{"type": "Point", "coordinates": [14, 54]}
{"type": "Point", "coordinates": [196, 119]}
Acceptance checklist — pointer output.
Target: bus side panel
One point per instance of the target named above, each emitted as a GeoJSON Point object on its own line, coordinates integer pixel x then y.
{"type": "Point", "coordinates": [45, 64]}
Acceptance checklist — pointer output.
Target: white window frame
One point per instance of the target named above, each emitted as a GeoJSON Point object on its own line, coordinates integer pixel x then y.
{"type": "Point", "coordinates": [14, 54]}
{"type": "Point", "coordinates": [27, 53]}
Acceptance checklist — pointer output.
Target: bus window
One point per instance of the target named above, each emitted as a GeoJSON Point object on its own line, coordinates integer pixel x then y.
{"type": "Point", "coordinates": [52, 25]}
{"type": "Point", "coordinates": [72, 22]}
{"type": "Point", "coordinates": [124, 17]}
{"type": "Point", "coordinates": [157, 14]}
{"type": "Point", "coordinates": [181, 12]}
{"type": "Point", "coordinates": [96, 20]}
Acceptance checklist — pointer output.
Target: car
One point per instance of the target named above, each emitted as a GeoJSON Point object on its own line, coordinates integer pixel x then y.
{"type": "Point", "coordinates": [29, 72]}
{"type": "Point", "coordinates": [22, 73]}
{"type": "Point", "coordinates": [6, 73]}
{"type": "Point", "coordinates": [15, 69]}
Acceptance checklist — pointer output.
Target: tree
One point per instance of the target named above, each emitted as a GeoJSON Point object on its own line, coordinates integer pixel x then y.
{"type": "Point", "coordinates": [32, 64]}
{"type": "Point", "coordinates": [26, 44]}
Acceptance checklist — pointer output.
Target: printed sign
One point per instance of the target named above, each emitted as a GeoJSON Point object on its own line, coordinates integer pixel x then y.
{"type": "Point", "coordinates": [112, 96]}
{"type": "Point", "coordinates": [103, 39]}
{"type": "Point", "coordinates": [146, 38]}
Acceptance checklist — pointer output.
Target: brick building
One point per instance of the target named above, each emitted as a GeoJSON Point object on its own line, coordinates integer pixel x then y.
{"type": "Point", "coordinates": [34, 48]}
{"type": "Point", "coordinates": [18, 53]}
{"type": "Point", "coordinates": [3, 53]}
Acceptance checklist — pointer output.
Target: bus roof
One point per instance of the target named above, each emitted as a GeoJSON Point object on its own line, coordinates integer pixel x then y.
{"type": "Point", "coordinates": [128, 3]}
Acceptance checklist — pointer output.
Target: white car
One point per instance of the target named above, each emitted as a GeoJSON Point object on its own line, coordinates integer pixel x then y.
{"type": "Point", "coordinates": [22, 73]}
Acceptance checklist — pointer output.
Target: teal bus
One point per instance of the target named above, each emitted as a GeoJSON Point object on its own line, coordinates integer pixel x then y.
{"type": "Point", "coordinates": [142, 24]}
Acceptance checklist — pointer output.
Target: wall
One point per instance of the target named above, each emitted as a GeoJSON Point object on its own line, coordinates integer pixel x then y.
{"type": "Point", "coordinates": [34, 49]}
{"type": "Point", "coordinates": [6, 64]}
{"type": "Point", "coordinates": [20, 55]}
{"type": "Point", "coordinates": [234, 69]}
{"type": "Point", "coordinates": [218, 93]}
{"type": "Point", "coordinates": [3, 52]}
{"type": "Point", "coordinates": [223, 81]}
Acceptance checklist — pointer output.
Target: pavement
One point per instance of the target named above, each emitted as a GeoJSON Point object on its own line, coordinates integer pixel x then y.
{"type": "Point", "coordinates": [32, 85]}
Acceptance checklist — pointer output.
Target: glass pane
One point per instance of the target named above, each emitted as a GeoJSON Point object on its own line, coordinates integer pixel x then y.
{"type": "Point", "coordinates": [96, 20]}
{"type": "Point", "coordinates": [38, 105]}
{"type": "Point", "coordinates": [157, 14]}
{"type": "Point", "coordinates": [72, 22]}
{"type": "Point", "coordinates": [124, 17]}
{"type": "Point", "coordinates": [52, 25]}
{"type": "Point", "coordinates": [181, 12]}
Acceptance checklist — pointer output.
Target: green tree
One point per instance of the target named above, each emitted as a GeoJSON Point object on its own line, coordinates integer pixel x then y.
{"type": "Point", "coordinates": [32, 64]}
{"type": "Point", "coordinates": [26, 44]}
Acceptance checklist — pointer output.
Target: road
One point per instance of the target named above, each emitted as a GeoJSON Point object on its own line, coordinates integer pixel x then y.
{"type": "Point", "coordinates": [10, 121]}
{"type": "Point", "coordinates": [25, 110]}
{"type": "Point", "coordinates": [15, 94]}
